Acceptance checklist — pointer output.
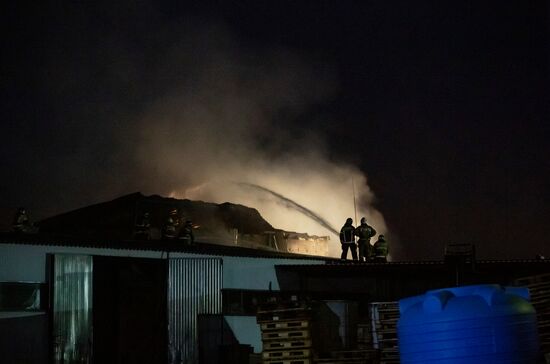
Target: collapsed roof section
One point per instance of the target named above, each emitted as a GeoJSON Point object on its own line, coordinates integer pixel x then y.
{"type": "Point", "coordinates": [116, 219]}
{"type": "Point", "coordinates": [225, 224]}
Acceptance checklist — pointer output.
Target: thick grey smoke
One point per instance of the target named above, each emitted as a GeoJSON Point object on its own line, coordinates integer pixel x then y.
{"type": "Point", "coordinates": [197, 112]}
{"type": "Point", "coordinates": [233, 118]}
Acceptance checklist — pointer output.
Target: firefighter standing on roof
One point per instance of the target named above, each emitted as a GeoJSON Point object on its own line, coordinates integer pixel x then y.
{"type": "Point", "coordinates": [142, 230]}
{"type": "Point", "coordinates": [21, 221]}
{"type": "Point", "coordinates": [171, 225]}
{"type": "Point", "coordinates": [347, 239]}
{"type": "Point", "coordinates": [186, 233]}
{"type": "Point", "coordinates": [381, 250]}
{"type": "Point", "coordinates": [364, 232]}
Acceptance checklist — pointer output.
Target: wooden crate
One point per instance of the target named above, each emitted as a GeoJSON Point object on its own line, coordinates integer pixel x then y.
{"type": "Point", "coordinates": [350, 356]}
{"type": "Point", "coordinates": [540, 278]}
{"type": "Point", "coordinates": [291, 344]}
{"type": "Point", "coordinates": [389, 356]}
{"type": "Point", "coordinates": [341, 361]}
{"type": "Point", "coordinates": [387, 335]}
{"type": "Point", "coordinates": [284, 325]}
{"type": "Point", "coordinates": [289, 361]}
{"type": "Point", "coordinates": [384, 317]}
{"type": "Point", "coordinates": [354, 354]}
{"type": "Point", "coordinates": [286, 354]}
{"type": "Point", "coordinates": [285, 335]}
{"type": "Point", "coordinates": [539, 291]}
{"type": "Point", "coordinates": [286, 332]}
{"type": "Point", "coordinates": [364, 337]}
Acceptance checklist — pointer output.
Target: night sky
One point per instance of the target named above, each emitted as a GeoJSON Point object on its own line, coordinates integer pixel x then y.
{"type": "Point", "coordinates": [442, 104]}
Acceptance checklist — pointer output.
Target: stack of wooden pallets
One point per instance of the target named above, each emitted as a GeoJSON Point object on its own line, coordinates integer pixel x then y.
{"type": "Point", "coordinates": [384, 316]}
{"type": "Point", "coordinates": [539, 290]}
{"type": "Point", "coordinates": [286, 333]}
{"type": "Point", "coordinates": [351, 357]}
{"type": "Point", "coordinates": [364, 336]}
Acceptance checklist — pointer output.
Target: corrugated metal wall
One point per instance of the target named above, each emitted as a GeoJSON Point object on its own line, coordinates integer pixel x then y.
{"type": "Point", "coordinates": [194, 287]}
{"type": "Point", "coordinates": [72, 308]}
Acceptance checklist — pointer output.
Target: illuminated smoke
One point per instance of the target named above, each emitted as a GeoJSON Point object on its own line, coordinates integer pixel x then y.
{"type": "Point", "coordinates": [295, 206]}
{"type": "Point", "coordinates": [234, 118]}
{"type": "Point", "coordinates": [197, 112]}
{"type": "Point", "coordinates": [321, 186]}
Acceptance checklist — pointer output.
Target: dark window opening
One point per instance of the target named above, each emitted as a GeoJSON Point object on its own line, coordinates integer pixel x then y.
{"type": "Point", "coordinates": [23, 296]}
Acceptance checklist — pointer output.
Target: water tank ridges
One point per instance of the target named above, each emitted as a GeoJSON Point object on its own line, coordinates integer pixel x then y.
{"type": "Point", "coordinates": [473, 324]}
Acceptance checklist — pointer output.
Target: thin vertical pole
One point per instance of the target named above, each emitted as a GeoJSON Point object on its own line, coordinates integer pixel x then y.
{"type": "Point", "coordinates": [354, 202]}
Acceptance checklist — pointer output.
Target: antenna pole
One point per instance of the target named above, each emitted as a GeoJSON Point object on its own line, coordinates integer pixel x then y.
{"type": "Point", "coordinates": [354, 203]}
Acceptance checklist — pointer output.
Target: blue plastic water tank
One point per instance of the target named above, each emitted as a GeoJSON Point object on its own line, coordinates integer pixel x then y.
{"type": "Point", "coordinates": [471, 324]}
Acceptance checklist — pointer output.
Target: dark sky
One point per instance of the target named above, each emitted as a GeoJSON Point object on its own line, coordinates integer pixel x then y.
{"type": "Point", "coordinates": [443, 104]}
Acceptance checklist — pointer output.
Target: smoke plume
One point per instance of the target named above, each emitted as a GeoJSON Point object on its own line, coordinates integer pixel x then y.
{"type": "Point", "coordinates": [290, 204]}
{"type": "Point", "coordinates": [188, 115]}
{"type": "Point", "coordinates": [233, 119]}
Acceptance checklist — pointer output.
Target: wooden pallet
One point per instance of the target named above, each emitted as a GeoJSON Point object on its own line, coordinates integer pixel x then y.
{"type": "Point", "coordinates": [386, 305]}
{"type": "Point", "coordinates": [344, 361]}
{"type": "Point", "coordinates": [386, 335]}
{"type": "Point", "coordinates": [386, 317]}
{"type": "Point", "coordinates": [283, 314]}
{"type": "Point", "coordinates": [341, 361]}
{"type": "Point", "coordinates": [364, 336]}
{"type": "Point", "coordinates": [387, 343]}
{"type": "Point", "coordinates": [350, 356]}
{"type": "Point", "coordinates": [287, 354]}
{"type": "Point", "coordinates": [285, 335]}
{"type": "Point", "coordinates": [285, 325]}
{"type": "Point", "coordinates": [365, 346]}
{"type": "Point", "coordinates": [386, 321]}
{"type": "Point", "coordinates": [541, 299]}
{"type": "Point", "coordinates": [544, 315]}
{"type": "Point", "coordinates": [289, 361]}
{"type": "Point", "coordinates": [538, 287]}
{"type": "Point", "coordinates": [524, 281]}
{"type": "Point", "coordinates": [293, 344]}
{"type": "Point", "coordinates": [354, 354]}
{"type": "Point", "coordinates": [389, 356]}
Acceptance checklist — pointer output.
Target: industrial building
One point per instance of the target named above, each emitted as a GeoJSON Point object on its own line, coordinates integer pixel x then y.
{"type": "Point", "coordinates": [86, 288]}
{"type": "Point", "coordinates": [67, 300]}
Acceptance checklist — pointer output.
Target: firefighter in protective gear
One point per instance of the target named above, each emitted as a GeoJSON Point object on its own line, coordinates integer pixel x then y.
{"type": "Point", "coordinates": [171, 225]}
{"type": "Point", "coordinates": [186, 233]}
{"type": "Point", "coordinates": [142, 229]}
{"type": "Point", "coordinates": [364, 232]}
{"type": "Point", "coordinates": [21, 221]}
{"type": "Point", "coordinates": [381, 250]}
{"type": "Point", "coordinates": [347, 239]}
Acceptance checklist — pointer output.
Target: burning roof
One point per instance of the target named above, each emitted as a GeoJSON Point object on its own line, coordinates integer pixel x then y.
{"type": "Point", "coordinates": [116, 219]}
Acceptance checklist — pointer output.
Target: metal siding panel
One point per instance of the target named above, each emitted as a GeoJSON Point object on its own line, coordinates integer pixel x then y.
{"type": "Point", "coordinates": [72, 308]}
{"type": "Point", "coordinates": [194, 288]}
